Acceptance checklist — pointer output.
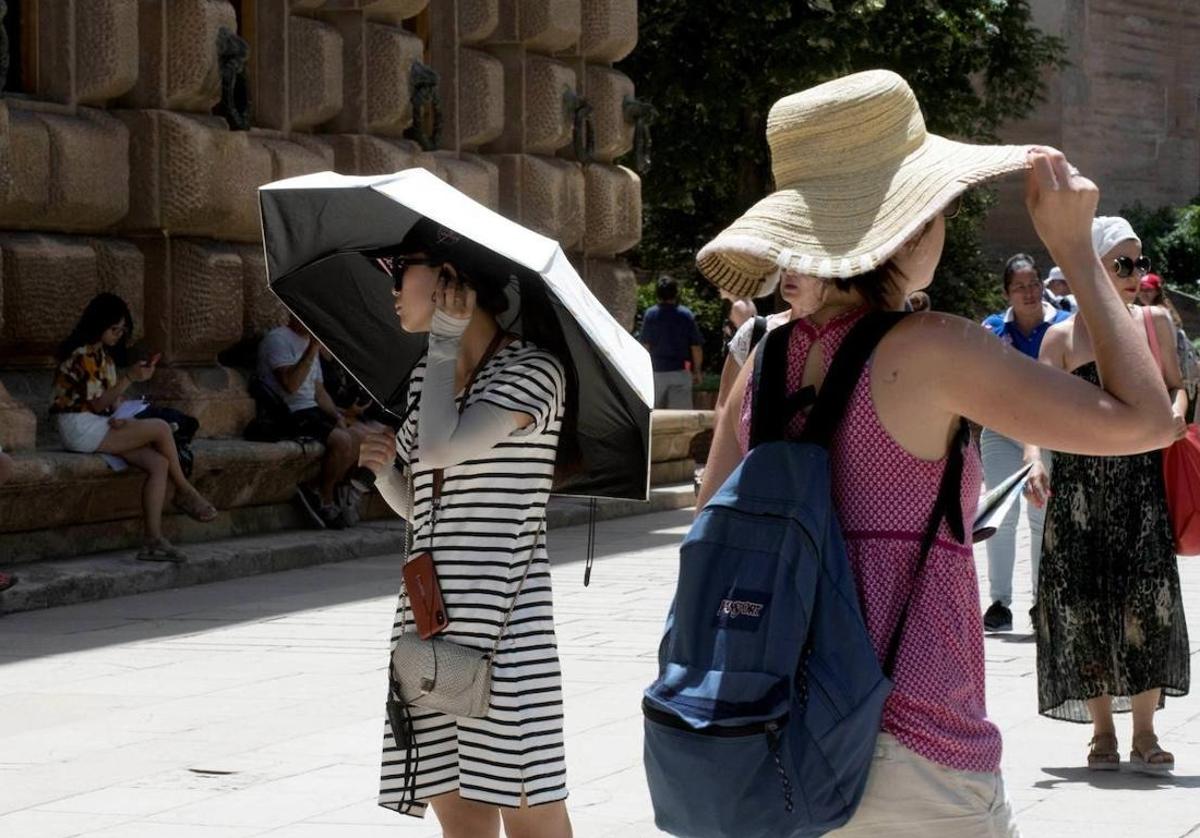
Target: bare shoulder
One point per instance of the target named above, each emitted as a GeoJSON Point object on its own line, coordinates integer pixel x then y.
{"type": "Point", "coordinates": [934, 333]}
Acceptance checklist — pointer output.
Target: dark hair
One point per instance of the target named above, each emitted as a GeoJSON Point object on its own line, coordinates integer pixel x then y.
{"type": "Point", "coordinates": [667, 290]}
{"type": "Point", "coordinates": [874, 286]}
{"type": "Point", "coordinates": [1018, 262]}
{"type": "Point", "coordinates": [484, 271]}
{"type": "Point", "coordinates": [101, 314]}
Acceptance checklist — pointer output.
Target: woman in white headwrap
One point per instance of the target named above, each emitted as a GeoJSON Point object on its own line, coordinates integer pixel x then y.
{"type": "Point", "coordinates": [1111, 635]}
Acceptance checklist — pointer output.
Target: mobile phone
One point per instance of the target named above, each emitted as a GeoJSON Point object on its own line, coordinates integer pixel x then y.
{"type": "Point", "coordinates": [425, 596]}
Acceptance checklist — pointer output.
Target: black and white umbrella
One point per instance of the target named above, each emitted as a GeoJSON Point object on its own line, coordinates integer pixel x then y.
{"type": "Point", "coordinates": [317, 230]}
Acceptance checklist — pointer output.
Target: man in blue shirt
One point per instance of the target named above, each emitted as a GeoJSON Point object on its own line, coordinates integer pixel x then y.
{"type": "Point", "coordinates": [1022, 326]}
{"type": "Point", "coordinates": [670, 333]}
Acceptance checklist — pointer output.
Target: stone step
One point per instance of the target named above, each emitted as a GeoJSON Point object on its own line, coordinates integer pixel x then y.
{"type": "Point", "coordinates": [49, 583]}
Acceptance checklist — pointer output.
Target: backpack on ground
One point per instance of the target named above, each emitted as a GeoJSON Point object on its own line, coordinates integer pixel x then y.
{"type": "Point", "coordinates": [764, 717]}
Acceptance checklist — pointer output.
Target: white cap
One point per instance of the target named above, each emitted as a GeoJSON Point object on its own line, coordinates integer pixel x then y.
{"type": "Point", "coordinates": [1055, 275]}
{"type": "Point", "coordinates": [1108, 231]}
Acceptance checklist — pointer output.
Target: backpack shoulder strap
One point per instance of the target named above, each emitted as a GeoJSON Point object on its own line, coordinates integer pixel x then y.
{"type": "Point", "coordinates": [758, 330]}
{"type": "Point", "coordinates": [768, 414]}
{"type": "Point", "coordinates": [844, 373]}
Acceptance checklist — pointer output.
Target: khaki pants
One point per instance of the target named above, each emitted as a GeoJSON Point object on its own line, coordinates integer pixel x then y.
{"type": "Point", "coordinates": [907, 795]}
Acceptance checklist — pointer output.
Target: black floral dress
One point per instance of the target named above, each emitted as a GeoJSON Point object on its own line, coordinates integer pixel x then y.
{"type": "Point", "coordinates": [1109, 615]}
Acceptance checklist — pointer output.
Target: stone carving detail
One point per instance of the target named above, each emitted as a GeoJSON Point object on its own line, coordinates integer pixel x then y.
{"type": "Point", "coordinates": [232, 54]}
{"type": "Point", "coordinates": [583, 130]}
{"type": "Point", "coordinates": [641, 114]}
{"type": "Point", "coordinates": [426, 109]}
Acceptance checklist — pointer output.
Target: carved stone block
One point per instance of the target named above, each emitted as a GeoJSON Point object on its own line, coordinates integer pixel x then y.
{"type": "Point", "coordinates": [614, 209]}
{"type": "Point", "coordinates": [18, 424]}
{"type": "Point", "coordinates": [106, 50]}
{"type": "Point", "coordinates": [548, 120]}
{"type": "Point", "coordinates": [393, 11]}
{"type": "Point", "coordinates": [477, 20]}
{"type": "Point", "coordinates": [314, 72]}
{"type": "Point", "coordinates": [262, 310]}
{"type": "Point", "coordinates": [606, 91]}
{"type": "Point", "coordinates": [472, 175]}
{"type": "Point", "coordinates": [28, 164]}
{"type": "Point", "coordinates": [47, 282]}
{"type": "Point", "coordinates": [614, 284]}
{"type": "Point", "coordinates": [390, 56]}
{"type": "Point", "coordinates": [609, 29]}
{"type": "Point", "coordinates": [550, 25]}
{"type": "Point", "coordinates": [178, 54]}
{"type": "Point", "coordinates": [545, 194]}
{"type": "Point", "coordinates": [121, 270]}
{"type": "Point", "coordinates": [292, 159]}
{"type": "Point", "coordinates": [190, 175]}
{"type": "Point", "coordinates": [217, 396]}
{"type": "Point", "coordinates": [89, 171]}
{"type": "Point", "coordinates": [355, 154]}
{"type": "Point", "coordinates": [480, 98]}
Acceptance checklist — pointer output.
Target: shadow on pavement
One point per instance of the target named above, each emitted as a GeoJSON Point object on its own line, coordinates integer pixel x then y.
{"type": "Point", "coordinates": [1123, 779]}
{"type": "Point", "coordinates": [274, 596]}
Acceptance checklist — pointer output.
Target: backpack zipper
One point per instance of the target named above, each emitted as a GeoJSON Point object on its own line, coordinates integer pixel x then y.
{"type": "Point", "coordinates": [719, 731]}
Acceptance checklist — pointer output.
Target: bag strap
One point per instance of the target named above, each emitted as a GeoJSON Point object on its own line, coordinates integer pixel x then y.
{"type": "Point", "coordinates": [946, 507]}
{"type": "Point", "coordinates": [1152, 334]}
{"type": "Point", "coordinates": [768, 417]}
{"type": "Point", "coordinates": [512, 606]}
{"type": "Point", "coordinates": [758, 330]}
{"type": "Point", "coordinates": [844, 373]}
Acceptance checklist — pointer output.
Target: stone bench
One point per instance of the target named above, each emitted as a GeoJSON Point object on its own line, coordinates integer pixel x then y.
{"type": "Point", "coordinates": [60, 503]}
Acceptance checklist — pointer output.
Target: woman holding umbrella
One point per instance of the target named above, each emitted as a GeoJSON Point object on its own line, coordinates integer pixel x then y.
{"type": "Point", "coordinates": [482, 445]}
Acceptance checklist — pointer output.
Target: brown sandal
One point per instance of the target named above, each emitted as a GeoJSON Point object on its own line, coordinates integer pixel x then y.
{"type": "Point", "coordinates": [196, 507]}
{"type": "Point", "coordinates": [1147, 758]}
{"type": "Point", "coordinates": [1103, 754]}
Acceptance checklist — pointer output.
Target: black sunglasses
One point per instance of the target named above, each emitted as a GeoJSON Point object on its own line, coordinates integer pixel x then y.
{"type": "Point", "coordinates": [1124, 266]}
{"type": "Point", "coordinates": [952, 209]}
{"type": "Point", "coordinates": [395, 266]}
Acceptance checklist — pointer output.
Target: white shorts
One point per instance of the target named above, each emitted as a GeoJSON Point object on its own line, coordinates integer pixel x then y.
{"type": "Point", "coordinates": [909, 796]}
{"type": "Point", "coordinates": [81, 432]}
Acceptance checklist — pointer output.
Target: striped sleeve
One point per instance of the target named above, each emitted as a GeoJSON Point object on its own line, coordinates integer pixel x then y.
{"type": "Point", "coordinates": [534, 384]}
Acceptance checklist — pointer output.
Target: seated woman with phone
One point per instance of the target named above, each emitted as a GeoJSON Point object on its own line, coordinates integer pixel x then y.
{"type": "Point", "coordinates": [87, 390]}
{"type": "Point", "coordinates": [481, 445]}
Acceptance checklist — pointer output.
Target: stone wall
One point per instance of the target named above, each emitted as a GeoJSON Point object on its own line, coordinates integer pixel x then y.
{"type": "Point", "coordinates": [121, 167]}
{"type": "Point", "coordinates": [1126, 110]}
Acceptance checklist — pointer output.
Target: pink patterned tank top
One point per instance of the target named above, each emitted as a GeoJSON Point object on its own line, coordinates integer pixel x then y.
{"type": "Point", "coordinates": [884, 496]}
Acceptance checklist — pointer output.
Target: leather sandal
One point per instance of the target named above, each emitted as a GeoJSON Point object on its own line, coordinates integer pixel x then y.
{"type": "Point", "coordinates": [196, 507]}
{"type": "Point", "coordinates": [1103, 754]}
{"type": "Point", "coordinates": [1147, 758]}
{"type": "Point", "coordinates": [161, 550]}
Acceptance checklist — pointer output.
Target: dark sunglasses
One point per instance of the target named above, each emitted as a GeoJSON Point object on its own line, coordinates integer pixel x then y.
{"type": "Point", "coordinates": [952, 209]}
{"type": "Point", "coordinates": [1124, 266]}
{"type": "Point", "coordinates": [395, 266]}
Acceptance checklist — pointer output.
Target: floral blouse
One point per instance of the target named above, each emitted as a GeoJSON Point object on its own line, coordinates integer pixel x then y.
{"type": "Point", "coordinates": [81, 378]}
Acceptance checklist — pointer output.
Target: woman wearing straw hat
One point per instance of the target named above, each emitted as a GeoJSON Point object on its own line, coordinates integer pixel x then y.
{"type": "Point", "coordinates": [857, 225]}
{"type": "Point", "coordinates": [1111, 633]}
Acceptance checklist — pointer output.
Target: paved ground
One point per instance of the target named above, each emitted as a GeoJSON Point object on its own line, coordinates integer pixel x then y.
{"type": "Point", "coordinates": [252, 707]}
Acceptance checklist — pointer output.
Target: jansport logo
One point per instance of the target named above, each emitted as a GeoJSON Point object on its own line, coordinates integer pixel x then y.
{"type": "Point", "coordinates": [742, 609]}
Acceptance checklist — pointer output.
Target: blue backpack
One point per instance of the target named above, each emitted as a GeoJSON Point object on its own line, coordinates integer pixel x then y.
{"type": "Point", "coordinates": [769, 698]}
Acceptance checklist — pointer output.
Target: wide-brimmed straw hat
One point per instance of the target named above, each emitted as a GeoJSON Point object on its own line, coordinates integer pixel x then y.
{"type": "Point", "coordinates": [856, 174]}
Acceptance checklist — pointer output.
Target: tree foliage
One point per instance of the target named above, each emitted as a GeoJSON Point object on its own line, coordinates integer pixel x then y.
{"type": "Point", "coordinates": [1171, 238]}
{"type": "Point", "coordinates": [713, 69]}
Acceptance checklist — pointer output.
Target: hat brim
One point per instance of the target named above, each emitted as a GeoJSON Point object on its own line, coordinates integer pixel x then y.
{"type": "Point", "coordinates": [846, 225]}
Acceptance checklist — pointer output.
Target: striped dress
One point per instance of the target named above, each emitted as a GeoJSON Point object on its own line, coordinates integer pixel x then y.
{"type": "Point", "coordinates": [491, 511]}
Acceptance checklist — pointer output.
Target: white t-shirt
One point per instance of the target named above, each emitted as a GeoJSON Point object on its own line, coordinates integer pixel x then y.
{"type": "Point", "coordinates": [739, 344]}
{"type": "Point", "coordinates": [281, 347]}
